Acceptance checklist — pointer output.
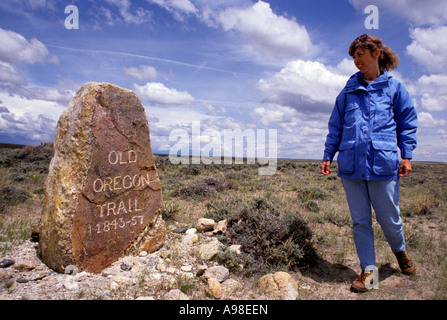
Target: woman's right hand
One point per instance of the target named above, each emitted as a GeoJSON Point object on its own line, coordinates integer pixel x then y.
{"type": "Point", "coordinates": [325, 167]}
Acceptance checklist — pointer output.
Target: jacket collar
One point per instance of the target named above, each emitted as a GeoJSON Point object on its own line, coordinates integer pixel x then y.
{"type": "Point", "coordinates": [356, 82]}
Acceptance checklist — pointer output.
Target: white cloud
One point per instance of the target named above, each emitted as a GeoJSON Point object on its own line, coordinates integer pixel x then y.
{"type": "Point", "coordinates": [273, 114]}
{"type": "Point", "coordinates": [442, 133]}
{"type": "Point", "coordinates": [426, 119]}
{"type": "Point", "coordinates": [37, 3]}
{"type": "Point", "coordinates": [179, 8]}
{"type": "Point", "coordinates": [432, 90]}
{"type": "Point", "coordinates": [136, 16]}
{"type": "Point", "coordinates": [307, 86]}
{"type": "Point", "coordinates": [143, 72]}
{"type": "Point", "coordinates": [163, 122]}
{"type": "Point", "coordinates": [15, 48]}
{"type": "Point", "coordinates": [300, 135]}
{"type": "Point", "coordinates": [346, 67]}
{"type": "Point", "coordinates": [8, 75]}
{"type": "Point", "coordinates": [32, 119]}
{"type": "Point", "coordinates": [267, 32]}
{"type": "Point", "coordinates": [158, 94]}
{"type": "Point", "coordinates": [428, 48]}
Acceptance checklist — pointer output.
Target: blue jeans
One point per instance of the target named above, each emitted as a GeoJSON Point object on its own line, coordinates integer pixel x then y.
{"type": "Point", "coordinates": [384, 197]}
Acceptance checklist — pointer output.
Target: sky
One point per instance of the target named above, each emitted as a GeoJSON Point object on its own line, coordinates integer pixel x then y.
{"type": "Point", "coordinates": [222, 64]}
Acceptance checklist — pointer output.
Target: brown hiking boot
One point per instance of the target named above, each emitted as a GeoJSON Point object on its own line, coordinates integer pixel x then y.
{"type": "Point", "coordinates": [406, 265]}
{"type": "Point", "coordinates": [359, 284]}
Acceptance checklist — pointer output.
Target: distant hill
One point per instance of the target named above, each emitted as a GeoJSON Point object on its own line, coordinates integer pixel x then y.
{"type": "Point", "coordinates": [11, 145]}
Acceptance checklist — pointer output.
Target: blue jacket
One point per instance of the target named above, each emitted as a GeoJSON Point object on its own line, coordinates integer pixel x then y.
{"type": "Point", "coordinates": [368, 124]}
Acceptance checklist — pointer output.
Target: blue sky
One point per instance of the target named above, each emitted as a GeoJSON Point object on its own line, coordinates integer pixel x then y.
{"type": "Point", "coordinates": [229, 64]}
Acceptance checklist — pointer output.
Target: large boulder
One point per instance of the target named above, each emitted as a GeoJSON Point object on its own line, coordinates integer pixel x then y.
{"type": "Point", "coordinates": [102, 194]}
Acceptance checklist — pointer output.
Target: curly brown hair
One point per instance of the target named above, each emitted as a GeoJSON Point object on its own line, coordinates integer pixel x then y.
{"type": "Point", "coordinates": [388, 59]}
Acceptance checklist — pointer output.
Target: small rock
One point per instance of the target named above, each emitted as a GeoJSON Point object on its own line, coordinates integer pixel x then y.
{"type": "Point", "coordinates": [26, 266]}
{"type": "Point", "coordinates": [180, 230]}
{"type": "Point", "coordinates": [204, 224]}
{"type": "Point", "coordinates": [201, 270]}
{"type": "Point", "coordinates": [125, 267]}
{"type": "Point", "coordinates": [208, 251]}
{"type": "Point", "coordinates": [81, 276]}
{"type": "Point", "coordinates": [5, 263]}
{"type": "Point", "coordinates": [190, 238]}
{"type": "Point", "coordinates": [114, 285]}
{"type": "Point", "coordinates": [145, 298]}
{"type": "Point", "coordinates": [122, 280]}
{"type": "Point", "coordinates": [231, 286]}
{"type": "Point", "coordinates": [70, 283]}
{"type": "Point", "coordinates": [236, 248]}
{"type": "Point", "coordinates": [175, 294]}
{"type": "Point", "coordinates": [214, 288]}
{"type": "Point", "coordinates": [279, 285]}
{"type": "Point", "coordinates": [152, 262]}
{"type": "Point", "coordinates": [143, 253]}
{"type": "Point", "coordinates": [186, 268]}
{"type": "Point", "coordinates": [305, 287]}
{"type": "Point", "coordinates": [221, 227]}
{"type": "Point", "coordinates": [39, 276]}
{"type": "Point", "coordinates": [191, 231]}
{"type": "Point", "coordinates": [219, 273]}
{"type": "Point", "coordinates": [35, 234]}
{"type": "Point", "coordinates": [161, 266]}
{"type": "Point", "coordinates": [22, 280]}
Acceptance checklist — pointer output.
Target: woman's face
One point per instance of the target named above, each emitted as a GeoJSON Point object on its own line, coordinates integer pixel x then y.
{"type": "Point", "coordinates": [365, 60]}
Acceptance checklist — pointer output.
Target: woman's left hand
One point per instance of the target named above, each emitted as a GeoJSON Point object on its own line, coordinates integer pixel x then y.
{"type": "Point", "coordinates": [405, 168]}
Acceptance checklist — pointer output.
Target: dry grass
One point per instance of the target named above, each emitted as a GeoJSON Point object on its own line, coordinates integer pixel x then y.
{"type": "Point", "coordinates": [297, 186]}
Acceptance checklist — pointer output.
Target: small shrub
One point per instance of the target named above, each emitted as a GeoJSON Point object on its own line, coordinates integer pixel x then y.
{"type": "Point", "coordinates": [270, 239]}
{"type": "Point", "coordinates": [422, 206]}
{"type": "Point", "coordinates": [233, 261]}
{"type": "Point", "coordinates": [190, 170]}
{"type": "Point", "coordinates": [10, 195]}
{"type": "Point", "coordinates": [7, 157]}
{"type": "Point", "coordinates": [168, 209]}
{"type": "Point", "coordinates": [312, 206]}
{"type": "Point", "coordinates": [311, 193]}
{"type": "Point", "coordinates": [201, 189]}
{"type": "Point", "coordinates": [18, 177]}
{"type": "Point", "coordinates": [285, 165]}
{"type": "Point", "coordinates": [186, 284]}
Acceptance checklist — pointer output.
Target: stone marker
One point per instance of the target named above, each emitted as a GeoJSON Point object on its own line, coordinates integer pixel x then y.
{"type": "Point", "coordinates": [102, 194]}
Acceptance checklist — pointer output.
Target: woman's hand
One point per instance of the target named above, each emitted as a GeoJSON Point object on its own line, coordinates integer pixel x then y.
{"type": "Point", "coordinates": [325, 167]}
{"type": "Point", "coordinates": [405, 168]}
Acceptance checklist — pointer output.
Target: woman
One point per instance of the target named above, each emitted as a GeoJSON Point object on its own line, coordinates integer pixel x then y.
{"type": "Point", "coordinates": [373, 117]}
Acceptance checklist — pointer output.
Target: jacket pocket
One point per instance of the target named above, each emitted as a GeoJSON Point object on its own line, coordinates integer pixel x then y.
{"type": "Point", "coordinates": [346, 157]}
{"type": "Point", "coordinates": [352, 113]}
{"type": "Point", "coordinates": [386, 160]}
{"type": "Point", "coordinates": [384, 112]}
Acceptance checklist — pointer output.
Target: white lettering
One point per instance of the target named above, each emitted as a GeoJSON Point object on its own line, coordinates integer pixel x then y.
{"type": "Point", "coordinates": [101, 185]}
{"type": "Point", "coordinates": [372, 21]}
{"type": "Point", "coordinates": [118, 208]}
{"type": "Point", "coordinates": [115, 155]}
{"type": "Point", "coordinates": [118, 183]}
{"type": "Point", "coordinates": [122, 157]}
{"type": "Point", "coordinates": [236, 144]}
{"type": "Point", "coordinates": [179, 153]}
{"type": "Point", "coordinates": [72, 21]}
